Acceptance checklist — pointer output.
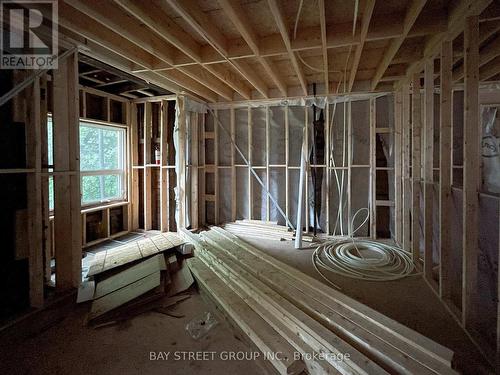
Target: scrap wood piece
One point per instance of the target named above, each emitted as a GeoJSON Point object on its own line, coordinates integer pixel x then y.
{"type": "Point", "coordinates": [168, 311]}
{"type": "Point", "coordinates": [124, 254]}
{"type": "Point", "coordinates": [129, 310]}
{"type": "Point", "coordinates": [147, 247]}
{"type": "Point", "coordinates": [161, 242]}
{"type": "Point", "coordinates": [86, 291]}
{"type": "Point", "coordinates": [262, 225]}
{"type": "Point", "coordinates": [258, 221]}
{"type": "Point", "coordinates": [181, 281]}
{"type": "Point", "coordinates": [173, 238]}
{"type": "Point", "coordinates": [130, 275]}
{"type": "Point", "coordinates": [175, 300]}
{"type": "Point", "coordinates": [123, 295]}
{"type": "Point", "coordinates": [112, 258]}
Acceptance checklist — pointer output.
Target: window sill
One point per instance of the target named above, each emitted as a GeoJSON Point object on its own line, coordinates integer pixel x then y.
{"type": "Point", "coordinates": [103, 206]}
{"type": "Point", "coordinates": [99, 207]}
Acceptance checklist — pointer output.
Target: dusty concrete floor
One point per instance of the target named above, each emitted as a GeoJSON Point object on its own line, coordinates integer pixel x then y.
{"type": "Point", "coordinates": [72, 348]}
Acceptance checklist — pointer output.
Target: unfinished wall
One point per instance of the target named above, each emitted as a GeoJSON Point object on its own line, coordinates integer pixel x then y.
{"type": "Point", "coordinates": [270, 138]}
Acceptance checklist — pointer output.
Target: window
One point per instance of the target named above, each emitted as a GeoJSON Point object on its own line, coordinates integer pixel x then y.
{"type": "Point", "coordinates": [102, 163]}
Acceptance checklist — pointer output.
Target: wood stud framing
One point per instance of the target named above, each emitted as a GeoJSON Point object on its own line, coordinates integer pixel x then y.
{"type": "Point", "coordinates": [164, 172]}
{"type": "Point", "coordinates": [471, 170]}
{"type": "Point", "coordinates": [67, 222]}
{"type": "Point", "coordinates": [405, 155]}
{"type": "Point", "coordinates": [147, 126]}
{"type": "Point", "coordinates": [33, 136]}
{"type": "Point", "coordinates": [222, 69]}
{"type": "Point", "coordinates": [445, 140]}
{"type": "Point", "coordinates": [398, 182]}
{"type": "Point", "coordinates": [428, 164]}
{"type": "Point", "coordinates": [416, 168]}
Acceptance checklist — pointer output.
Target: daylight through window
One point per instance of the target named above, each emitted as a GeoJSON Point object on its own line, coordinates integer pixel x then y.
{"type": "Point", "coordinates": [102, 163]}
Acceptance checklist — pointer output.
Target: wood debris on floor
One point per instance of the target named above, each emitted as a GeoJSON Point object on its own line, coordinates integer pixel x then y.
{"type": "Point", "coordinates": [133, 251]}
{"type": "Point", "coordinates": [140, 277]}
{"type": "Point", "coordinates": [283, 310]}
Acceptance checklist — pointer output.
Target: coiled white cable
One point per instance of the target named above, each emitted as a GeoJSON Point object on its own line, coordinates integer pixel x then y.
{"type": "Point", "coordinates": [362, 259]}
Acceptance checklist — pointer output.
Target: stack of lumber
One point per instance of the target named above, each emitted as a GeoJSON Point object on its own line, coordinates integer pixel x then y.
{"type": "Point", "coordinates": [261, 229]}
{"type": "Point", "coordinates": [134, 278]}
{"type": "Point", "coordinates": [282, 310]}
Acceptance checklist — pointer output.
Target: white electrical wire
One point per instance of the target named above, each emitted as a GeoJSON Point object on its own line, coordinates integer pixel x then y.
{"type": "Point", "coordinates": [345, 255]}
{"type": "Point", "coordinates": [362, 259]}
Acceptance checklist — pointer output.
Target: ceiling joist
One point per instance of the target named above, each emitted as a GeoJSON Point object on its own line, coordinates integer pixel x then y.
{"type": "Point", "coordinates": [411, 16]}
{"type": "Point", "coordinates": [367, 16]}
{"type": "Point", "coordinates": [283, 28]}
{"type": "Point", "coordinates": [226, 50]}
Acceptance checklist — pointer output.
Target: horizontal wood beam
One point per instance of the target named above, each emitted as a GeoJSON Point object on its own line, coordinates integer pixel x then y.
{"type": "Point", "coordinates": [206, 79]}
{"type": "Point", "coordinates": [456, 24]}
{"type": "Point", "coordinates": [367, 16]}
{"type": "Point", "coordinates": [283, 28]}
{"type": "Point", "coordinates": [123, 24]}
{"type": "Point", "coordinates": [89, 28]}
{"type": "Point", "coordinates": [411, 16]}
{"type": "Point", "coordinates": [488, 53]}
{"type": "Point", "coordinates": [253, 78]}
{"type": "Point", "coordinates": [157, 20]}
{"type": "Point", "coordinates": [189, 10]}
{"type": "Point", "coordinates": [308, 38]}
{"type": "Point", "coordinates": [194, 16]}
{"type": "Point", "coordinates": [237, 16]}
{"type": "Point", "coordinates": [223, 72]}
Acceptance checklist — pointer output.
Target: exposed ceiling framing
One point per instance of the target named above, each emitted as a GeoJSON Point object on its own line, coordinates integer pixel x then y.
{"type": "Point", "coordinates": [95, 74]}
{"type": "Point", "coordinates": [223, 50]}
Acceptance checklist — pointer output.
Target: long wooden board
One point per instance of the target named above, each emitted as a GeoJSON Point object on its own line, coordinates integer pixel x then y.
{"type": "Point", "coordinates": [121, 296]}
{"type": "Point", "coordinates": [330, 295]}
{"type": "Point", "coordinates": [258, 331]}
{"type": "Point", "coordinates": [130, 275]}
{"type": "Point", "coordinates": [308, 329]}
{"type": "Point", "coordinates": [143, 248]}
{"type": "Point", "coordinates": [368, 342]}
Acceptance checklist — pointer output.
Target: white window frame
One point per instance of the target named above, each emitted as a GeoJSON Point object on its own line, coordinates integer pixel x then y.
{"type": "Point", "coordinates": [122, 159]}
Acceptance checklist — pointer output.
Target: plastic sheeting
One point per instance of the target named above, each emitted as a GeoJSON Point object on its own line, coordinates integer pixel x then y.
{"type": "Point", "coordinates": [275, 126]}
{"type": "Point", "coordinates": [490, 149]}
{"type": "Point", "coordinates": [309, 101]}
